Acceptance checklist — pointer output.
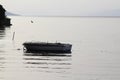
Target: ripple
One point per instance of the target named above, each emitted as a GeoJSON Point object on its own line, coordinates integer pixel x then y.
{"type": "Point", "coordinates": [47, 63]}
{"type": "Point", "coordinates": [46, 59]}
{"type": "Point", "coordinates": [39, 54]}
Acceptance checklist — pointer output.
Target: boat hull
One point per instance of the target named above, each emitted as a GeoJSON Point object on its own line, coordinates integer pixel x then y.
{"type": "Point", "coordinates": [47, 47]}
{"type": "Point", "coordinates": [5, 22]}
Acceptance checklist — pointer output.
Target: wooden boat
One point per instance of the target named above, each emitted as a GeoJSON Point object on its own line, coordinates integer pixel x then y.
{"type": "Point", "coordinates": [47, 47]}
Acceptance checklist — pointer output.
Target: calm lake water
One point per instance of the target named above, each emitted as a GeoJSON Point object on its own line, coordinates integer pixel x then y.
{"type": "Point", "coordinates": [95, 52]}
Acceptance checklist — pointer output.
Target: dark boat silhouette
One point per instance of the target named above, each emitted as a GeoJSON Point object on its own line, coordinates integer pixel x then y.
{"type": "Point", "coordinates": [47, 47]}
{"type": "Point", "coordinates": [4, 21]}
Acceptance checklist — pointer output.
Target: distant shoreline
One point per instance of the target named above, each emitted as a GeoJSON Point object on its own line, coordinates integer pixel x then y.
{"type": "Point", "coordinates": [69, 16]}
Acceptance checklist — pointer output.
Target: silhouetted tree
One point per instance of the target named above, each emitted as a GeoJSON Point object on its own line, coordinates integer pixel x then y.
{"type": "Point", "coordinates": [4, 21]}
{"type": "Point", "coordinates": [2, 13]}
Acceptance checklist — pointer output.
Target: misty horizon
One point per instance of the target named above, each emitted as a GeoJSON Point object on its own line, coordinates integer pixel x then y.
{"type": "Point", "coordinates": [109, 14]}
{"type": "Point", "coordinates": [63, 7]}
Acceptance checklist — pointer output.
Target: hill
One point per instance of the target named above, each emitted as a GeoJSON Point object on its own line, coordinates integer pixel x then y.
{"type": "Point", "coordinates": [11, 14]}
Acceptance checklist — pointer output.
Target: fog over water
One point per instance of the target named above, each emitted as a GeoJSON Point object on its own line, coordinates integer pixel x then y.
{"type": "Point", "coordinates": [63, 7]}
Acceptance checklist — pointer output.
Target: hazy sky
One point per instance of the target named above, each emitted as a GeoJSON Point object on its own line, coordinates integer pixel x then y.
{"type": "Point", "coordinates": [63, 7]}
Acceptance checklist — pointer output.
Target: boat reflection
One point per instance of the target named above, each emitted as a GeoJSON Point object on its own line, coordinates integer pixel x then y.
{"type": "Point", "coordinates": [47, 54]}
{"type": "Point", "coordinates": [2, 63]}
{"type": "Point", "coordinates": [2, 32]}
{"type": "Point", "coordinates": [2, 66]}
{"type": "Point", "coordinates": [47, 63]}
{"type": "Point", "coordinates": [2, 47]}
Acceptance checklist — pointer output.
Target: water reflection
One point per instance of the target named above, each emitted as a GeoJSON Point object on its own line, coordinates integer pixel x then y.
{"type": "Point", "coordinates": [47, 54]}
{"type": "Point", "coordinates": [2, 65]}
{"type": "Point", "coordinates": [48, 63]}
{"type": "Point", "coordinates": [2, 36]}
{"type": "Point", "coordinates": [2, 50]}
{"type": "Point", "coordinates": [2, 32]}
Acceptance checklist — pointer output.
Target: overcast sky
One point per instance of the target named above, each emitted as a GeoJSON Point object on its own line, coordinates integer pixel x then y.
{"type": "Point", "coordinates": [63, 7]}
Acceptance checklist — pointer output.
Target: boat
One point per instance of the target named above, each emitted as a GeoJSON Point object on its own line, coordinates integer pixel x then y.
{"type": "Point", "coordinates": [47, 47]}
{"type": "Point", "coordinates": [4, 20]}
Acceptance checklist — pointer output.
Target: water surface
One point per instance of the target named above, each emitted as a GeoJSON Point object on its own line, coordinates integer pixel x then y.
{"type": "Point", "coordinates": [95, 53]}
